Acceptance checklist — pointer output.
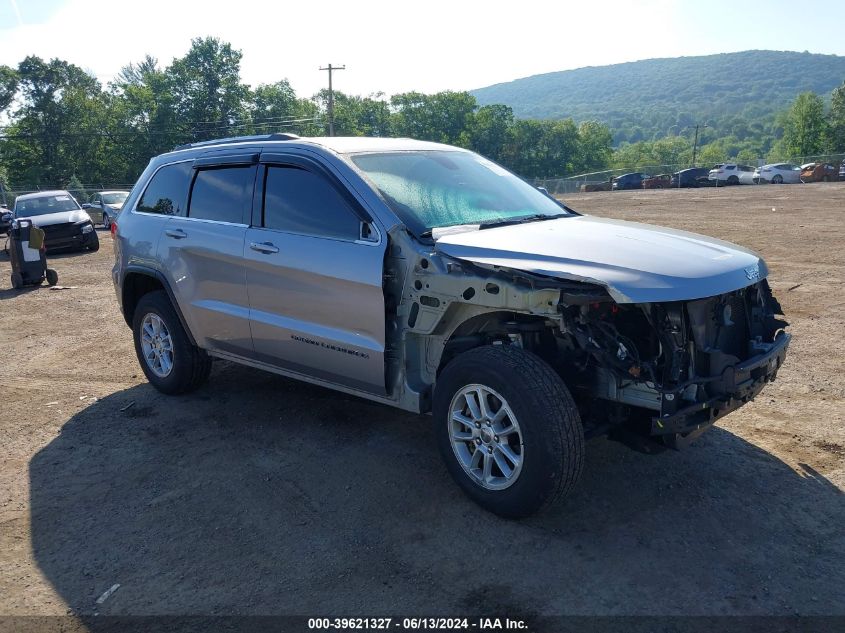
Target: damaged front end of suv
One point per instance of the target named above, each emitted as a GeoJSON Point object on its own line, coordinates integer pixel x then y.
{"type": "Point", "coordinates": [662, 358]}
{"type": "Point", "coordinates": [683, 364]}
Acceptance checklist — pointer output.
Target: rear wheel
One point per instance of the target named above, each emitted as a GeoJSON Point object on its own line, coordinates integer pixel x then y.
{"type": "Point", "coordinates": [777, 179]}
{"type": "Point", "coordinates": [52, 277]}
{"type": "Point", "coordinates": [733, 180]}
{"type": "Point", "coordinates": [17, 281]}
{"type": "Point", "coordinates": [170, 362]}
{"type": "Point", "coordinates": [106, 221]}
{"type": "Point", "coordinates": [508, 430]}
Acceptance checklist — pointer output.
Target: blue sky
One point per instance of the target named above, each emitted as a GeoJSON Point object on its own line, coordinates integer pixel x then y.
{"type": "Point", "coordinates": [391, 46]}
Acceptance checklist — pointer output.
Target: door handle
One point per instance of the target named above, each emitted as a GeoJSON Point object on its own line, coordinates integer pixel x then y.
{"type": "Point", "coordinates": [264, 247]}
{"type": "Point", "coordinates": [177, 234]}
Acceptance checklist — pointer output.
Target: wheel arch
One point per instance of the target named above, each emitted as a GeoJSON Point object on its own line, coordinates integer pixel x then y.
{"type": "Point", "coordinates": [139, 281]}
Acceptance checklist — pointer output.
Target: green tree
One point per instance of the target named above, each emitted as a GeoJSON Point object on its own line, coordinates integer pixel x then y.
{"type": "Point", "coordinates": [55, 123]}
{"type": "Point", "coordinates": [804, 127]}
{"type": "Point", "coordinates": [490, 131]}
{"type": "Point", "coordinates": [276, 108]}
{"type": "Point", "coordinates": [444, 117]}
{"type": "Point", "coordinates": [836, 120]}
{"type": "Point", "coordinates": [542, 149]}
{"type": "Point", "coordinates": [8, 86]}
{"type": "Point", "coordinates": [207, 90]}
{"type": "Point", "coordinates": [595, 146]}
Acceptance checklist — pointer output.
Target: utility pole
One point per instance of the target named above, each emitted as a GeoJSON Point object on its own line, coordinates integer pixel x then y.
{"type": "Point", "coordinates": [695, 143]}
{"type": "Point", "coordinates": [330, 68]}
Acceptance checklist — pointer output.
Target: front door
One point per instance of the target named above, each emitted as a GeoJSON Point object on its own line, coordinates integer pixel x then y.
{"type": "Point", "coordinates": [314, 275]}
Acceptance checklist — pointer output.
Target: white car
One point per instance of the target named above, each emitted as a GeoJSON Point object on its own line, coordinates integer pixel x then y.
{"type": "Point", "coordinates": [777, 174]}
{"type": "Point", "coordinates": [732, 174]}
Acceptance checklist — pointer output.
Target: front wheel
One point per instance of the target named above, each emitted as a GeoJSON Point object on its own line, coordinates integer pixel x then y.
{"type": "Point", "coordinates": [508, 430]}
{"type": "Point", "coordinates": [94, 244]}
{"type": "Point", "coordinates": [170, 362]}
{"type": "Point", "coordinates": [777, 179]}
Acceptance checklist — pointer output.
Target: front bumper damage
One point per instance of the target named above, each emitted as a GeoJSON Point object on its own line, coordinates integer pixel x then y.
{"type": "Point", "coordinates": [682, 364]}
{"type": "Point", "coordinates": [741, 383]}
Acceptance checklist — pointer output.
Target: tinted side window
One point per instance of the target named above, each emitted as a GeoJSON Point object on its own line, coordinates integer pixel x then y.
{"type": "Point", "coordinates": [301, 201]}
{"type": "Point", "coordinates": [167, 190]}
{"type": "Point", "coordinates": [222, 194]}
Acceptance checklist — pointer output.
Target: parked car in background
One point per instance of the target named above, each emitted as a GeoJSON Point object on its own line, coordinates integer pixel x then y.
{"type": "Point", "coordinates": [63, 221]}
{"type": "Point", "coordinates": [842, 171]}
{"type": "Point", "coordinates": [104, 206]}
{"type": "Point", "coordinates": [732, 174]}
{"type": "Point", "coordinates": [818, 172]}
{"type": "Point", "coordinates": [5, 220]}
{"type": "Point", "coordinates": [629, 181]}
{"type": "Point", "coordinates": [777, 174]}
{"type": "Point", "coordinates": [689, 177]}
{"type": "Point", "coordinates": [660, 181]}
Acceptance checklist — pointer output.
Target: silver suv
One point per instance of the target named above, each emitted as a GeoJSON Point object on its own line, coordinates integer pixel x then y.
{"type": "Point", "coordinates": [428, 278]}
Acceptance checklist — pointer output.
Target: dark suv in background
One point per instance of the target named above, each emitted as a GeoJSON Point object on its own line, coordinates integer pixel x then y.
{"type": "Point", "coordinates": [629, 181]}
{"type": "Point", "coordinates": [689, 177]}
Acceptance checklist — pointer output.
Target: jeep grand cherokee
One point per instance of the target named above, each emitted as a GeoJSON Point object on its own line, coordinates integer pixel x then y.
{"type": "Point", "coordinates": [428, 278]}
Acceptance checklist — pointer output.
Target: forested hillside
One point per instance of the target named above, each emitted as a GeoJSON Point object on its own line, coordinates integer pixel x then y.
{"type": "Point", "coordinates": [737, 94]}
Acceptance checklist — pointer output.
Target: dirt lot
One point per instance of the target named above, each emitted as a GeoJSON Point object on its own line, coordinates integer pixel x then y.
{"type": "Point", "coordinates": [259, 495]}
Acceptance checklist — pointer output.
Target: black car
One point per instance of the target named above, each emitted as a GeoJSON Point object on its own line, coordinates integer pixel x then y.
{"type": "Point", "coordinates": [5, 220]}
{"type": "Point", "coordinates": [629, 181]}
{"type": "Point", "coordinates": [689, 177]}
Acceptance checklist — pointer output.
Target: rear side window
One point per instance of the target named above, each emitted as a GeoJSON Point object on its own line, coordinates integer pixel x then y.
{"type": "Point", "coordinates": [222, 194]}
{"type": "Point", "coordinates": [167, 191]}
{"type": "Point", "coordinates": [300, 201]}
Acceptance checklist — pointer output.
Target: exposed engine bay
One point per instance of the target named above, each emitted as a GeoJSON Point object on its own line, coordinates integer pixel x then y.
{"type": "Point", "coordinates": [688, 362]}
{"type": "Point", "coordinates": [667, 368]}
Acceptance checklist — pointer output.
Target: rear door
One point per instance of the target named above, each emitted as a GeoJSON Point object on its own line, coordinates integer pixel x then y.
{"type": "Point", "coordinates": [201, 252]}
{"type": "Point", "coordinates": [314, 272]}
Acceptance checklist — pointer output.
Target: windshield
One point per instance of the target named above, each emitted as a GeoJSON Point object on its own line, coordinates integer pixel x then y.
{"type": "Point", "coordinates": [45, 205]}
{"type": "Point", "coordinates": [429, 189]}
{"type": "Point", "coordinates": [115, 198]}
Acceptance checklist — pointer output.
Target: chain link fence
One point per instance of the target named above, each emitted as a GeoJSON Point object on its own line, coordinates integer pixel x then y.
{"type": "Point", "coordinates": [603, 180]}
{"type": "Point", "coordinates": [592, 181]}
{"type": "Point", "coordinates": [82, 193]}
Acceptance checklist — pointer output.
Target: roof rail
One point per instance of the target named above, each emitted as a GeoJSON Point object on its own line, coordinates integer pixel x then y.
{"type": "Point", "coordinates": [275, 136]}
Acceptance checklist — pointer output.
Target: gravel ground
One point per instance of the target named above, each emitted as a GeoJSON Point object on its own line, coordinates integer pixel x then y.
{"type": "Point", "coordinates": [260, 495]}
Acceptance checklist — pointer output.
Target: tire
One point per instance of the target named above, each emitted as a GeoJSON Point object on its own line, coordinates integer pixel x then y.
{"type": "Point", "coordinates": [52, 277]}
{"type": "Point", "coordinates": [94, 246]}
{"type": "Point", "coordinates": [777, 179]}
{"type": "Point", "coordinates": [826, 178]}
{"type": "Point", "coordinates": [17, 281]}
{"type": "Point", "coordinates": [106, 221]}
{"type": "Point", "coordinates": [733, 180]}
{"type": "Point", "coordinates": [549, 436]}
{"type": "Point", "coordinates": [189, 365]}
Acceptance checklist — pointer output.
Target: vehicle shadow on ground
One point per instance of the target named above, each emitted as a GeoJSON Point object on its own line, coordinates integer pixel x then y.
{"type": "Point", "coordinates": [261, 495]}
